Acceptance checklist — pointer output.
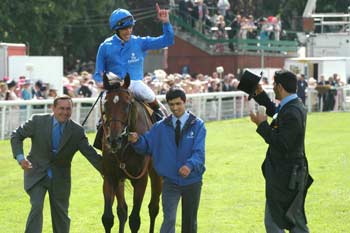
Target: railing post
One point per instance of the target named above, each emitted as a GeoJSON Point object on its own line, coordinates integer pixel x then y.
{"type": "Point", "coordinates": [219, 107]}
{"type": "Point", "coordinates": [235, 106]}
{"type": "Point", "coordinates": [204, 108]}
{"type": "Point", "coordinates": [242, 105]}
{"type": "Point", "coordinates": [29, 111]}
{"type": "Point", "coordinates": [78, 107]}
{"type": "Point", "coordinates": [3, 118]}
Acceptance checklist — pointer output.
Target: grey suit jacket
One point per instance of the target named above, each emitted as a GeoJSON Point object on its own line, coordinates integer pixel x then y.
{"type": "Point", "coordinates": [39, 128]}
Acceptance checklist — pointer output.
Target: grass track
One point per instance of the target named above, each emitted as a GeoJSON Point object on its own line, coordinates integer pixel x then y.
{"type": "Point", "coordinates": [232, 199]}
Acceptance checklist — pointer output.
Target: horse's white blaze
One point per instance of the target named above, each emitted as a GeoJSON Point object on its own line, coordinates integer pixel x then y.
{"type": "Point", "coordinates": [116, 99]}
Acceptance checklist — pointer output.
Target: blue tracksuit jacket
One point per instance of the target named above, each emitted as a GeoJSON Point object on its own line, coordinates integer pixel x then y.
{"type": "Point", "coordinates": [120, 57]}
{"type": "Point", "coordinates": [159, 141]}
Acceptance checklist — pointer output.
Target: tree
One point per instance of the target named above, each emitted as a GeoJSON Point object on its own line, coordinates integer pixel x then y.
{"type": "Point", "coordinates": [69, 28]}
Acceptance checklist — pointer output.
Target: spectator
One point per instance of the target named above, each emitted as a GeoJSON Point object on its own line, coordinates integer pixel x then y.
{"type": "Point", "coordinates": [19, 86]}
{"type": "Point", "coordinates": [277, 27]}
{"type": "Point", "coordinates": [301, 87]}
{"type": "Point", "coordinates": [52, 93]}
{"type": "Point", "coordinates": [26, 93]}
{"type": "Point", "coordinates": [223, 6]}
{"type": "Point", "coordinates": [220, 33]}
{"type": "Point", "coordinates": [38, 90]}
{"type": "Point", "coordinates": [244, 28]}
{"type": "Point", "coordinates": [3, 90]}
{"type": "Point", "coordinates": [185, 10]}
{"type": "Point", "coordinates": [266, 29]}
{"type": "Point", "coordinates": [312, 82]}
{"type": "Point", "coordinates": [200, 12]}
{"type": "Point", "coordinates": [330, 95]}
{"type": "Point", "coordinates": [226, 85]}
{"type": "Point", "coordinates": [214, 85]}
{"type": "Point", "coordinates": [182, 11]}
{"type": "Point", "coordinates": [84, 89]}
{"type": "Point", "coordinates": [251, 28]}
{"type": "Point", "coordinates": [93, 88]}
{"type": "Point", "coordinates": [322, 89]}
{"type": "Point", "coordinates": [264, 81]}
{"type": "Point", "coordinates": [10, 93]}
{"type": "Point", "coordinates": [234, 32]}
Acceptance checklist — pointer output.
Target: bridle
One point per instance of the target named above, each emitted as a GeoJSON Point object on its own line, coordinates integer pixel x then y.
{"type": "Point", "coordinates": [119, 154]}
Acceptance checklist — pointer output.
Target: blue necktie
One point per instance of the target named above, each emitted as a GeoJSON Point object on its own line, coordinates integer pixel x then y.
{"type": "Point", "coordinates": [56, 136]}
{"type": "Point", "coordinates": [55, 139]}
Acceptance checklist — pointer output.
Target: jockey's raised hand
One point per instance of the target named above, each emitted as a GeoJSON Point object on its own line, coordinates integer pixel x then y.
{"type": "Point", "coordinates": [162, 14]}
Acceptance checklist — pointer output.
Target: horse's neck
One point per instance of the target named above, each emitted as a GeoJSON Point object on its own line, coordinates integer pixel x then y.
{"type": "Point", "coordinates": [140, 116]}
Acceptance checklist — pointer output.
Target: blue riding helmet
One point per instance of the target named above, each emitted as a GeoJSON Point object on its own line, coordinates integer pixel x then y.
{"type": "Point", "coordinates": [121, 18]}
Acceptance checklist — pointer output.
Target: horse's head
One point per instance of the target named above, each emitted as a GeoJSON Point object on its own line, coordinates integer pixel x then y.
{"type": "Point", "coordinates": [116, 108]}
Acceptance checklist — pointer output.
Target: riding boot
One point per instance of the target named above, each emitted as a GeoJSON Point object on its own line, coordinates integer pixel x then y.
{"type": "Point", "coordinates": [159, 111]}
{"type": "Point", "coordinates": [99, 135]}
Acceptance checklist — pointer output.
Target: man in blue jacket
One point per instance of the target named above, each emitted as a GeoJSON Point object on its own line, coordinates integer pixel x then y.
{"type": "Point", "coordinates": [177, 146]}
{"type": "Point", "coordinates": [124, 53]}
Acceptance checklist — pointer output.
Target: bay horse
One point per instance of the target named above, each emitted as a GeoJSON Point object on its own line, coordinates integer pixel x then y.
{"type": "Point", "coordinates": [122, 113]}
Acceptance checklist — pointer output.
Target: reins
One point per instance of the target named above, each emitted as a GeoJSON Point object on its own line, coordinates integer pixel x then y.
{"type": "Point", "coordinates": [87, 116]}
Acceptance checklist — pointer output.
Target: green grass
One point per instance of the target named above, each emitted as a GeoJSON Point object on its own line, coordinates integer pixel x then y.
{"type": "Point", "coordinates": [233, 190]}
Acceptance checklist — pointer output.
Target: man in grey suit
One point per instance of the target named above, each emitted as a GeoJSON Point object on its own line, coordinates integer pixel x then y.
{"type": "Point", "coordinates": [55, 139]}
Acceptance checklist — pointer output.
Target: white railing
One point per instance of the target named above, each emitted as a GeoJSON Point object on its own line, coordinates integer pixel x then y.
{"type": "Point", "coordinates": [208, 106]}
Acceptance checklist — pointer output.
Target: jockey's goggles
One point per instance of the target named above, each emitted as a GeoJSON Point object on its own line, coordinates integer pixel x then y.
{"type": "Point", "coordinates": [125, 22]}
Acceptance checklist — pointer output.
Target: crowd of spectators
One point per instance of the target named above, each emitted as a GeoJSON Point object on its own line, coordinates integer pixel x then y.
{"type": "Point", "coordinates": [80, 85]}
{"type": "Point", "coordinates": [330, 96]}
{"type": "Point", "coordinates": [217, 20]}
{"type": "Point", "coordinates": [74, 85]}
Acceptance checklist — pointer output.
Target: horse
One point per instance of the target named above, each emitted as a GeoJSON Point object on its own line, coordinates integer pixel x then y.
{"type": "Point", "coordinates": [122, 113]}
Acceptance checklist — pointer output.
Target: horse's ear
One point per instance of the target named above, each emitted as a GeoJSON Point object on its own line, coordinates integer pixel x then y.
{"type": "Point", "coordinates": [126, 81]}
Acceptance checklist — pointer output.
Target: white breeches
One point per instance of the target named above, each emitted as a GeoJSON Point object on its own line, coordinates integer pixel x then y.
{"type": "Point", "coordinates": [142, 91]}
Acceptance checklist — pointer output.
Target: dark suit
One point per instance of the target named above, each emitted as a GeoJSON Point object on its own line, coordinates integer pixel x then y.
{"type": "Point", "coordinates": [301, 88]}
{"type": "Point", "coordinates": [36, 180]}
{"type": "Point", "coordinates": [285, 167]}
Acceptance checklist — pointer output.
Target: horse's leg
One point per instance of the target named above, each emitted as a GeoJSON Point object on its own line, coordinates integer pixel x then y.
{"type": "Point", "coordinates": [108, 194]}
{"type": "Point", "coordinates": [139, 192]}
{"type": "Point", "coordinates": [156, 190]}
{"type": "Point", "coordinates": [122, 208]}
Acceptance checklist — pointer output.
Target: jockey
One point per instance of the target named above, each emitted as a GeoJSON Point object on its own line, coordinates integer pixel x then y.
{"type": "Point", "coordinates": [124, 53]}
